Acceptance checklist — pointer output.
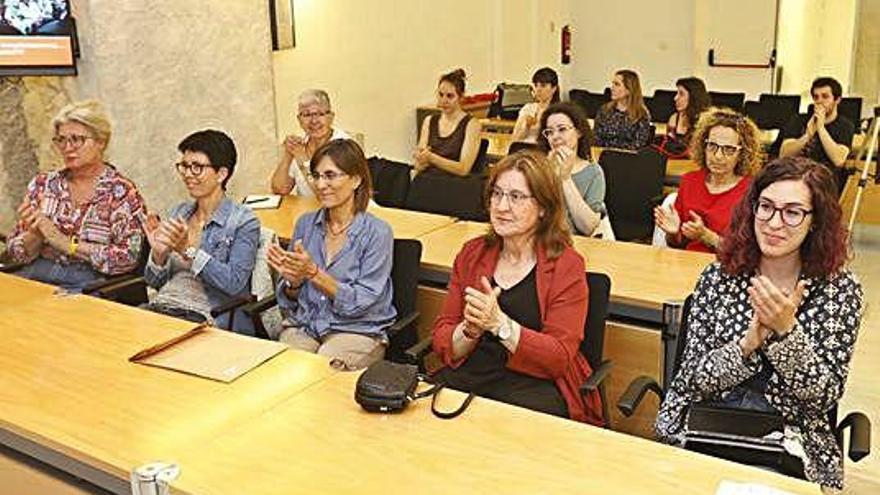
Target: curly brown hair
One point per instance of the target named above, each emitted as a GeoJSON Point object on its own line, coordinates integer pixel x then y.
{"type": "Point", "coordinates": [751, 155]}
{"type": "Point", "coordinates": [824, 250]}
{"type": "Point", "coordinates": [552, 231]}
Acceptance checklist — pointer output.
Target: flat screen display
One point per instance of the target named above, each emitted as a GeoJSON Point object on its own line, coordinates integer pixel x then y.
{"type": "Point", "coordinates": [36, 37]}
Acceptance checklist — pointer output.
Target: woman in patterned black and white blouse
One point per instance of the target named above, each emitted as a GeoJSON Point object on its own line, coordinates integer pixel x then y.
{"type": "Point", "coordinates": [774, 322]}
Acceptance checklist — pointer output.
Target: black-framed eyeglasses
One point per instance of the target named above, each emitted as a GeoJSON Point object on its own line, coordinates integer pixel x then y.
{"type": "Point", "coordinates": [514, 198]}
{"type": "Point", "coordinates": [550, 131]}
{"type": "Point", "coordinates": [313, 115]}
{"type": "Point", "coordinates": [194, 169]}
{"type": "Point", "coordinates": [792, 216]}
{"type": "Point", "coordinates": [76, 141]}
{"type": "Point", "coordinates": [727, 150]}
{"type": "Point", "coordinates": [330, 176]}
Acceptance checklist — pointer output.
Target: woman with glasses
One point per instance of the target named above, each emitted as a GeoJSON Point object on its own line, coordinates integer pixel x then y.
{"type": "Point", "coordinates": [773, 323]}
{"type": "Point", "coordinates": [513, 320]}
{"type": "Point", "coordinates": [81, 223]}
{"type": "Point", "coordinates": [315, 117]}
{"type": "Point", "coordinates": [448, 142]}
{"type": "Point", "coordinates": [336, 289]}
{"type": "Point", "coordinates": [567, 139]}
{"type": "Point", "coordinates": [545, 91]}
{"type": "Point", "coordinates": [727, 147]}
{"type": "Point", "coordinates": [202, 255]}
{"type": "Point", "coordinates": [624, 122]}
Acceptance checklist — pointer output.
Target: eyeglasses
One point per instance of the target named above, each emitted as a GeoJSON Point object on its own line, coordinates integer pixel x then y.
{"type": "Point", "coordinates": [514, 198]}
{"type": "Point", "coordinates": [327, 176]}
{"type": "Point", "coordinates": [549, 132]}
{"type": "Point", "coordinates": [792, 216]}
{"type": "Point", "coordinates": [194, 169]}
{"type": "Point", "coordinates": [76, 141]}
{"type": "Point", "coordinates": [727, 150]}
{"type": "Point", "coordinates": [313, 115]}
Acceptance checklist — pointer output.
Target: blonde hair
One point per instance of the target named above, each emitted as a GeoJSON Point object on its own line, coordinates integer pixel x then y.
{"type": "Point", "coordinates": [635, 103]}
{"type": "Point", "coordinates": [89, 113]}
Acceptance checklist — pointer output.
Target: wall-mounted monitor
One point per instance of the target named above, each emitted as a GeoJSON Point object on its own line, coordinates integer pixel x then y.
{"type": "Point", "coordinates": [37, 37]}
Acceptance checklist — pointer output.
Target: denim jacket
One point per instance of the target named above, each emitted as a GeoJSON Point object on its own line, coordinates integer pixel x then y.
{"type": "Point", "coordinates": [225, 258]}
{"type": "Point", "coordinates": [362, 270]}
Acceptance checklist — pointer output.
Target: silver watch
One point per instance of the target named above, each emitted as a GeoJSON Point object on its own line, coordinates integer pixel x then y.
{"type": "Point", "coordinates": [504, 329]}
{"type": "Point", "coordinates": [189, 253]}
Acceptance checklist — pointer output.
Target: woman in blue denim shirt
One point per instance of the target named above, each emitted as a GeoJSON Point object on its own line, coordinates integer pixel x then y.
{"type": "Point", "coordinates": [203, 254]}
{"type": "Point", "coordinates": [336, 292]}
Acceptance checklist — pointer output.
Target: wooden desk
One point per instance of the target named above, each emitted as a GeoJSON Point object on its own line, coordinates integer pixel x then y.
{"type": "Point", "coordinates": [69, 395]}
{"type": "Point", "coordinates": [405, 224]}
{"type": "Point", "coordinates": [491, 448]}
{"type": "Point", "coordinates": [503, 126]}
{"type": "Point", "coordinates": [642, 277]}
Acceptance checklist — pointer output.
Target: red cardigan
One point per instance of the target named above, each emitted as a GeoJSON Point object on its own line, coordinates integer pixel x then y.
{"type": "Point", "coordinates": [549, 354]}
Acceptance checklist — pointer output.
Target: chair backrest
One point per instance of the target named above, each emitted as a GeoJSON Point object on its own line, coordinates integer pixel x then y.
{"type": "Point", "coordinates": [405, 274]}
{"type": "Point", "coordinates": [633, 181]}
{"type": "Point", "coordinates": [481, 160]}
{"type": "Point", "coordinates": [446, 194]}
{"type": "Point", "coordinates": [662, 105]}
{"type": "Point", "coordinates": [729, 100]}
{"type": "Point", "coordinates": [589, 102]}
{"type": "Point", "coordinates": [599, 289]}
{"type": "Point", "coordinates": [390, 181]}
{"type": "Point", "coordinates": [851, 108]}
{"type": "Point", "coordinates": [521, 145]}
{"type": "Point", "coordinates": [777, 110]}
{"type": "Point", "coordinates": [674, 340]}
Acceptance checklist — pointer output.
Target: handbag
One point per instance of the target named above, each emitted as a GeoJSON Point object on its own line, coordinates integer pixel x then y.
{"type": "Point", "coordinates": [386, 387]}
{"type": "Point", "coordinates": [671, 147]}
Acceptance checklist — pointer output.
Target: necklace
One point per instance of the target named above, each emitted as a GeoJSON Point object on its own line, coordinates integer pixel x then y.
{"type": "Point", "coordinates": [337, 233]}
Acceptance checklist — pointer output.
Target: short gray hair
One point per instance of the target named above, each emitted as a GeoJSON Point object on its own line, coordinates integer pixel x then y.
{"type": "Point", "coordinates": [89, 113]}
{"type": "Point", "coordinates": [318, 96]}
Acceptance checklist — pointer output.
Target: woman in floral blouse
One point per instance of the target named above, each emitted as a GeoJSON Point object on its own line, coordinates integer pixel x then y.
{"type": "Point", "coordinates": [774, 322]}
{"type": "Point", "coordinates": [82, 222]}
{"type": "Point", "coordinates": [624, 122]}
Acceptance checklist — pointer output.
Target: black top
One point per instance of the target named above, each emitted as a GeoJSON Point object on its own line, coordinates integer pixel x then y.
{"type": "Point", "coordinates": [520, 302]}
{"type": "Point", "coordinates": [448, 147]}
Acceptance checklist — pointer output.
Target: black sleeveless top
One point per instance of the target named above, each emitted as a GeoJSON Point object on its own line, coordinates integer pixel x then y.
{"type": "Point", "coordinates": [448, 147]}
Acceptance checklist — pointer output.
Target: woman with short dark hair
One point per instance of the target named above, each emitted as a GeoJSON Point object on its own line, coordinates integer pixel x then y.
{"type": "Point", "coordinates": [336, 292]}
{"type": "Point", "coordinates": [773, 323]}
{"type": "Point", "coordinates": [545, 90]}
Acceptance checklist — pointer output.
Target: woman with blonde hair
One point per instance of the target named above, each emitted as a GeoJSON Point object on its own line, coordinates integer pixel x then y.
{"type": "Point", "coordinates": [82, 222]}
{"type": "Point", "coordinates": [513, 319]}
{"type": "Point", "coordinates": [624, 122]}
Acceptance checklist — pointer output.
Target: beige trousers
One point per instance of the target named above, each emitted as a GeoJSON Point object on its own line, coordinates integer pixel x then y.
{"type": "Point", "coordinates": [347, 351]}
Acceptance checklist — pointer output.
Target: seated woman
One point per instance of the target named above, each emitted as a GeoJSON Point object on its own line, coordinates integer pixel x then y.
{"type": "Point", "coordinates": [203, 254]}
{"type": "Point", "coordinates": [82, 223]}
{"type": "Point", "coordinates": [316, 119]}
{"type": "Point", "coordinates": [624, 122]}
{"type": "Point", "coordinates": [336, 292]}
{"type": "Point", "coordinates": [773, 323]}
{"type": "Point", "coordinates": [448, 142]}
{"type": "Point", "coordinates": [691, 99]}
{"type": "Point", "coordinates": [566, 138]}
{"type": "Point", "coordinates": [727, 147]}
{"type": "Point", "coordinates": [513, 319]}
{"type": "Point", "coordinates": [545, 90]}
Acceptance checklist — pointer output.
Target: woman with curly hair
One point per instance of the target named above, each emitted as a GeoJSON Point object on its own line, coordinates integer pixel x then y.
{"type": "Point", "coordinates": [727, 147]}
{"type": "Point", "coordinates": [773, 323]}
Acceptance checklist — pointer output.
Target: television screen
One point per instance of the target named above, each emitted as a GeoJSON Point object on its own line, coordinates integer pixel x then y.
{"type": "Point", "coordinates": [36, 37]}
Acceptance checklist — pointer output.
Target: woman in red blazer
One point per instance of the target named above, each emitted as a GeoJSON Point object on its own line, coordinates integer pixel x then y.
{"type": "Point", "coordinates": [513, 319]}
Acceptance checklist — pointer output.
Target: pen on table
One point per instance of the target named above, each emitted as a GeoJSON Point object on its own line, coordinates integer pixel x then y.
{"type": "Point", "coordinates": [256, 200]}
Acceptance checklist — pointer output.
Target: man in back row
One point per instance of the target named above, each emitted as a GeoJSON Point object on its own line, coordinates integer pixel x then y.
{"type": "Point", "coordinates": [823, 135]}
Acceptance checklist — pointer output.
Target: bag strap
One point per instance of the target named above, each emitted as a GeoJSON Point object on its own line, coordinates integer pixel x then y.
{"type": "Point", "coordinates": [452, 414]}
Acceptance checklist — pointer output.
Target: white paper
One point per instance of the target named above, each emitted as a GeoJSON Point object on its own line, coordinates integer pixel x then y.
{"type": "Point", "coordinates": [734, 488]}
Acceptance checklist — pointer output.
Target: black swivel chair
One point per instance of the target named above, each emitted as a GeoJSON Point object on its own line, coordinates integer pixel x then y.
{"type": "Point", "coordinates": [390, 181]}
{"type": "Point", "coordinates": [447, 194]}
{"type": "Point", "coordinates": [777, 110]}
{"type": "Point", "coordinates": [589, 102]}
{"type": "Point", "coordinates": [661, 105]}
{"type": "Point", "coordinates": [729, 100]}
{"type": "Point", "coordinates": [674, 337]}
{"type": "Point", "coordinates": [851, 108]}
{"type": "Point", "coordinates": [633, 185]}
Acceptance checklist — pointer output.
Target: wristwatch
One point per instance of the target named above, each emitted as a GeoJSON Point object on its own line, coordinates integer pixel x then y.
{"type": "Point", "coordinates": [189, 253]}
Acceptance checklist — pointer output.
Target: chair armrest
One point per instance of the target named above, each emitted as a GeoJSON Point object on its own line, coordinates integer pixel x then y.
{"type": "Point", "coordinates": [592, 383]}
{"type": "Point", "coordinates": [233, 304]}
{"type": "Point", "coordinates": [11, 267]}
{"type": "Point", "coordinates": [99, 285]}
{"type": "Point", "coordinates": [401, 323]}
{"type": "Point", "coordinates": [109, 291]}
{"type": "Point", "coordinates": [416, 353]}
{"type": "Point", "coordinates": [635, 392]}
{"type": "Point", "coordinates": [859, 435]}
{"type": "Point", "coordinates": [256, 308]}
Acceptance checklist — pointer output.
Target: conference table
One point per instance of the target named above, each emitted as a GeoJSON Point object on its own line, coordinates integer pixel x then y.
{"type": "Point", "coordinates": [405, 224]}
{"type": "Point", "coordinates": [71, 399]}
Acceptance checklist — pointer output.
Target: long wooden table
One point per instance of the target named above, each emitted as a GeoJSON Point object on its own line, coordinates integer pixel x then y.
{"type": "Point", "coordinates": [405, 224]}
{"type": "Point", "coordinates": [320, 441]}
{"type": "Point", "coordinates": [643, 277]}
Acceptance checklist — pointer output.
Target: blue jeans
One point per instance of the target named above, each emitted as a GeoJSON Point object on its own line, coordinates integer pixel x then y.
{"type": "Point", "coordinates": [72, 277]}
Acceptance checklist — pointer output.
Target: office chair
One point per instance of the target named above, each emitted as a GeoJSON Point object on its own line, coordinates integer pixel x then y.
{"type": "Point", "coordinates": [589, 102]}
{"type": "Point", "coordinates": [661, 105]}
{"type": "Point", "coordinates": [446, 194]}
{"type": "Point", "coordinates": [674, 338]}
{"type": "Point", "coordinates": [407, 257]}
{"type": "Point", "coordinates": [851, 108]}
{"type": "Point", "coordinates": [729, 100]}
{"type": "Point", "coordinates": [777, 110]}
{"type": "Point", "coordinates": [390, 181]}
{"type": "Point", "coordinates": [633, 185]}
